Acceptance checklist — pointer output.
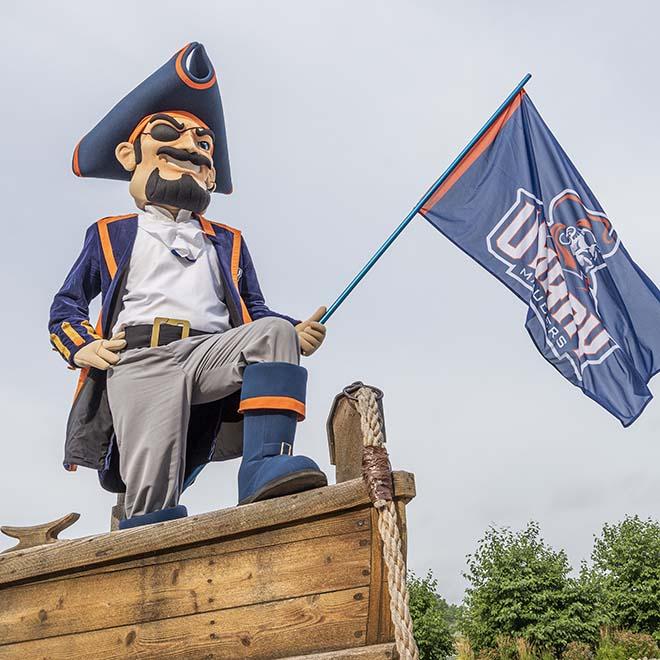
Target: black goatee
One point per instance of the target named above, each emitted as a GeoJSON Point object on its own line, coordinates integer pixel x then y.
{"type": "Point", "coordinates": [182, 193]}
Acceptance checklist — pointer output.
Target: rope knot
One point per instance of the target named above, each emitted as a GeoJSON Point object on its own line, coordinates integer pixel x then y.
{"type": "Point", "coordinates": [377, 474]}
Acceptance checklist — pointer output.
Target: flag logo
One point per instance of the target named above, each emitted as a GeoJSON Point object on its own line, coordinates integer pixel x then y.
{"type": "Point", "coordinates": [557, 256]}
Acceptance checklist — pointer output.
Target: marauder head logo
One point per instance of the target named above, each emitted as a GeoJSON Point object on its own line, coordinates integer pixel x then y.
{"type": "Point", "coordinates": [553, 254]}
{"type": "Point", "coordinates": [583, 238]}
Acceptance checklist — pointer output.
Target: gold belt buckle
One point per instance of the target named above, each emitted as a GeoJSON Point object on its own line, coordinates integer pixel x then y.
{"type": "Point", "coordinates": [161, 320]}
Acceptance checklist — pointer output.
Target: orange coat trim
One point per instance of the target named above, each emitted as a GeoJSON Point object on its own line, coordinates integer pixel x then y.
{"type": "Point", "coordinates": [106, 245]}
{"type": "Point", "coordinates": [207, 226]}
{"type": "Point", "coordinates": [85, 371]}
{"type": "Point", "coordinates": [72, 334]}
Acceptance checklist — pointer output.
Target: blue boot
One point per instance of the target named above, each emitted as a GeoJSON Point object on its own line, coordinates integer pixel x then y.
{"type": "Point", "coordinates": [171, 513]}
{"type": "Point", "coordinates": [272, 402]}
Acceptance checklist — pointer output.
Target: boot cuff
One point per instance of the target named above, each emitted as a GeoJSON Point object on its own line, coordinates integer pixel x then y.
{"type": "Point", "coordinates": [171, 513]}
{"type": "Point", "coordinates": [274, 386]}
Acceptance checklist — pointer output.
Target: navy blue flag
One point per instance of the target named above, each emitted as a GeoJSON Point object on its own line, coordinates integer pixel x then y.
{"type": "Point", "coordinates": [519, 207]}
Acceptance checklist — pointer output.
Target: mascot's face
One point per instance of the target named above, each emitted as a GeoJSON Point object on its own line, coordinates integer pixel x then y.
{"type": "Point", "coordinates": [171, 163]}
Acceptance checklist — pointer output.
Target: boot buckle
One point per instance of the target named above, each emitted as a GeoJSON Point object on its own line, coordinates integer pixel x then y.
{"type": "Point", "coordinates": [286, 449]}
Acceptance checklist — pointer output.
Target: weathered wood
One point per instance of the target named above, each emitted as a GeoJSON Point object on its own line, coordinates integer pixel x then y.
{"type": "Point", "coordinates": [186, 586]}
{"type": "Point", "coordinates": [345, 439]}
{"type": "Point", "coordinates": [117, 512]}
{"type": "Point", "coordinates": [344, 429]}
{"type": "Point", "coordinates": [276, 629]}
{"type": "Point", "coordinates": [30, 537]}
{"type": "Point", "coordinates": [354, 520]}
{"type": "Point", "coordinates": [375, 652]}
{"type": "Point", "coordinates": [67, 556]}
{"type": "Point", "coordinates": [375, 586]}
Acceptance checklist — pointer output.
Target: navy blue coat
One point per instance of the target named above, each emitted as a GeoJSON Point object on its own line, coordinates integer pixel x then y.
{"type": "Point", "coordinates": [102, 268]}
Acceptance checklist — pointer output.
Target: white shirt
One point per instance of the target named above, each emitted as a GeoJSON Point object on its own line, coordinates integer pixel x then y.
{"type": "Point", "coordinates": [185, 285]}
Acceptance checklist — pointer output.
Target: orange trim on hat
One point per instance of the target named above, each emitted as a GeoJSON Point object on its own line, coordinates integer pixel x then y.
{"type": "Point", "coordinates": [75, 165]}
{"type": "Point", "coordinates": [185, 77]}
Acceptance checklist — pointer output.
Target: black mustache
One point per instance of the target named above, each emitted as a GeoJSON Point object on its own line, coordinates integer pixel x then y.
{"type": "Point", "coordinates": [182, 154]}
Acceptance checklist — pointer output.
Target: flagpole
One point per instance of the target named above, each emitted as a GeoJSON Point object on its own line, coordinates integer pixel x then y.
{"type": "Point", "coordinates": [395, 234]}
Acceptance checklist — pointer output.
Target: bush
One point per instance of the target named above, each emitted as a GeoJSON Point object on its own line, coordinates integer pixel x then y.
{"type": "Point", "coordinates": [577, 651]}
{"type": "Point", "coordinates": [488, 653]}
{"type": "Point", "coordinates": [625, 644]}
{"type": "Point", "coordinates": [626, 561]}
{"type": "Point", "coordinates": [428, 611]}
{"type": "Point", "coordinates": [520, 587]}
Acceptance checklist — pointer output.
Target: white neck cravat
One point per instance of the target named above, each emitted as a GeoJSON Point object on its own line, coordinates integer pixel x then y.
{"type": "Point", "coordinates": [181, 235]}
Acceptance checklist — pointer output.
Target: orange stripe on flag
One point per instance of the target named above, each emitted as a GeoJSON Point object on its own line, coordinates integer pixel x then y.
{"type": "Point", "coordinates": [484, 142]}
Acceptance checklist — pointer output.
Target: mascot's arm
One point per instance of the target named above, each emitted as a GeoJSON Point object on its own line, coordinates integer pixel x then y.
{"type": "Point", "coordinates": [69, 326]}
{"type": "Point", "coordinates": [251, 291]}
{"type": "Point", "coordinates": [310, 332]}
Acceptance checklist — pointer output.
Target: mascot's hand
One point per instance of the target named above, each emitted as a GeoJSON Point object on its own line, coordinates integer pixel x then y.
{"type": "Point", "coordinates": [102, 353]}
{"type": "Point", "coordinates": [311, 333]}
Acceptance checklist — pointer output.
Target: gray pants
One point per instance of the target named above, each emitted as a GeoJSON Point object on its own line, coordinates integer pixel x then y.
{"type": "Point", "coordinates": [150, 392]}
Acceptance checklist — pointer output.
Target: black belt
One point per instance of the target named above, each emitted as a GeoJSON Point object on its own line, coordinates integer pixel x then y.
{"type": "Point", "coordinates": [163, 331]}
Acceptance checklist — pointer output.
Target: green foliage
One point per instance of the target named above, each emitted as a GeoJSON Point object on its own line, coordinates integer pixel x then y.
{"type": "Point", "coordinates": [488, 653]}
{"type": "Point", "coordinates": [625, 644]}
{"type": "Point", "coordinates": [521, 588]}
{"type": "Point", "coordinates": [577, 651]}
{"type": "Point", "coordinates": [626, 567]}
{"type": "Point", "coordinates": [430, 615]}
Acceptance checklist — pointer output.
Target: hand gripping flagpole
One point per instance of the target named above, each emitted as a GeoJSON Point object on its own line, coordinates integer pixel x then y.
{"type": "Point", "coordinates": [443, 177]}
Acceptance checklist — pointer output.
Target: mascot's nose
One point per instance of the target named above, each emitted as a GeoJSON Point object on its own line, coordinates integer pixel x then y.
{"type": "Point", "coordinates": [187, 142]}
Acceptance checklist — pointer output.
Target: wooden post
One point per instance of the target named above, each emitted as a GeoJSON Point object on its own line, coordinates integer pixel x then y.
{"type": "Point", "coordinates": [345, 441]}
{"type": "Point", "coordinates": [117, 512]}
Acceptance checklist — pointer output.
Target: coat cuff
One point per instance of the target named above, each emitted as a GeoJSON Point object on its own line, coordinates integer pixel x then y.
{"type": "Point", "coordinates": [67, 341]}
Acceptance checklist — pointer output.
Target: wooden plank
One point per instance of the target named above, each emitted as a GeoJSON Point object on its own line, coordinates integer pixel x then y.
{"type": "Point", "coordinates": [355, 520]}
{"type": "Point", "coordinates": [96, 550]}
{"type": "Point", "coordinates": [379, 625]}
{"type": "Point", "coordinates": [377, 577]}
{"type": "Point", "coordinates": [184, 587]}
{"type": "Point", "coordinates": [277, 629]}
{"type": "Point", "coordinates": [372, 652]}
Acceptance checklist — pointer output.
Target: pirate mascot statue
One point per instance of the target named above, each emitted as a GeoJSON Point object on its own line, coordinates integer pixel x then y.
{"type": "Point", "coordinates": [187, 364]}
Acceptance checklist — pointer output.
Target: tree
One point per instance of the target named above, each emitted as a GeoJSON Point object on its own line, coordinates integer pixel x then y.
{"type": "Point", "coordinates": [626, 560]}
{"type": "Point", "coordinates": [430, 614]}
{"type": "Point", "coordinates": [521, 588]}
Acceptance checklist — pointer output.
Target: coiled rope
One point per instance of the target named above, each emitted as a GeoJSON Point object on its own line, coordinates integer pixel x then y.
{"type": "Point", "coordinates": [377, 474]}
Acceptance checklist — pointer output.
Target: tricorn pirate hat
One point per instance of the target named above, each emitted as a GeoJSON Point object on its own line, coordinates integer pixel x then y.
{"type": "Point", "coordinates": [186, 84]}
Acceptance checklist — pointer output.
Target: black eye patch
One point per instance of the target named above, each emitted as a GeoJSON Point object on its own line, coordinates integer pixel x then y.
{"type": "Point", "coordinates": [164, 133]}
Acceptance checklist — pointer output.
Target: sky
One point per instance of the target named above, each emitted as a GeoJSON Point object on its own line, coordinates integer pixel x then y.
{"type": "Point", "coordinates": [339, 116]}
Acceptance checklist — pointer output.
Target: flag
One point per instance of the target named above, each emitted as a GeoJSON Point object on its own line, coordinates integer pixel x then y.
{"type": "Point", "coordinates": [517, 205]}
